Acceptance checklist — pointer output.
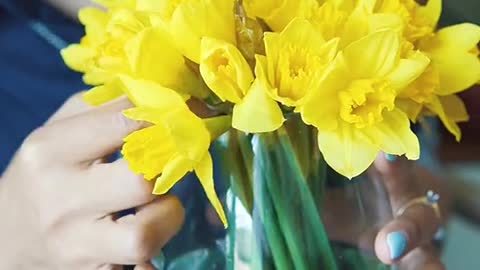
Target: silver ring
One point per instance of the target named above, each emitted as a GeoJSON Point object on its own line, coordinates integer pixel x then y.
{"type": "Point", "coordinates": [430, 199]}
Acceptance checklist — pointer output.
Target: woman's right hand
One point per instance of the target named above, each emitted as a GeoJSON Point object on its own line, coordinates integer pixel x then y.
{"type": "Point", "coordinates": [58, 199]}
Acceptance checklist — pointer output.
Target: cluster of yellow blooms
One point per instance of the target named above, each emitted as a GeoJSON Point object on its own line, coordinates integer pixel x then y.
{"type": "Point", "coordinates": [359, 71]}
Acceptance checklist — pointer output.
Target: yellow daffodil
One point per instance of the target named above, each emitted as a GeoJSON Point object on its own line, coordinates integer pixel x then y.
{"type": "Point", "coordinates": [295, 61]}
{"type": "Point", "coordinates": [455, 66]}
{"type": "Point", "coordinates": [191, 20]}
{"type": "Point", "coordinates": [100, 54]}
{"type": "Point", "coordinates": [420, 20]}
{"type": "Point", "coordinates": [278, 14]}
{"type": "Point", "coordinates": [354, 109]}
{"type": "Point", "coordinates": [228, 74]}
{"type": "Point", "coordinates": [123, 42]}
{"type": "Point", "coordinates": [176, 143]}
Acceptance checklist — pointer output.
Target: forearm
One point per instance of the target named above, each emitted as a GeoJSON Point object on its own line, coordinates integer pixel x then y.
{"type": "Point", "coordinates": [70, 7]}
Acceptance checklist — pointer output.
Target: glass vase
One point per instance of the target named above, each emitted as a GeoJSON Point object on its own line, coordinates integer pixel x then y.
{"type": "Point", "coordinates": [289, 210]}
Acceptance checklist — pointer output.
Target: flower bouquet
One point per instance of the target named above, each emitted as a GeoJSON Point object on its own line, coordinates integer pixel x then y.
{"type": "Point", "coordinates": [302, 96]}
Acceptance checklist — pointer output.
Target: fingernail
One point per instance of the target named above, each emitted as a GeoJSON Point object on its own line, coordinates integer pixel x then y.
{"type": "Point", "coordinates": [390, 158]}
{"type": "Point", "coordinates": [397, 243]}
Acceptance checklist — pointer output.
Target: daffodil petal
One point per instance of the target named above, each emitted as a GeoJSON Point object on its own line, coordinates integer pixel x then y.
{"type": "Point", "coordinates": [382, 21]}
{"type": "Point", "coordinates": [394, 136]}
{"type": "Point", "coordinates": [102, 94]}
{"type": "Point", "coordinates": [451, 53]}
{"type": "Point", "coordinates": [95, 22]}
{"type": "Point", "coordinates": [145, 93]}
{"type": "Point", "coordinates": [153, 56]}
{"type": "Point", "coordinates": [258, 112]}
{"type": "Point", "coordinates": [175, 169]}
{"type": "Point", "coordinates": [408, 70]}
{"type": "Point", "coordinates": [147, 151]}
{"type": "Point", "coordinates": [78, 57]}
{"type": "Point", "coordinates": [454, 108]}
{"type": "Point", "coordinates": [315, 111]}
{"type": "Point", "coordinates": [462, 37]}
{"type": "Point", "coordinates": [436, 106]}
{"type": "Point", "coordinates": [148, 114]}
{"type": "Point", "coordinates": [204, 172]}
{"type": "Point", "coordinates": [347, 150]}
{"type": "Point", "coordinates": [356, 26]}
{"type": "Point", "coordinates": [302, 32]}
{"type": "Point", "coordinates": [192, 20]}
{"type": "Point", "coordinates": [411, 108]}
{"type": "Point", "coordinates": [224, 69]}
{"type": "Point", "coordinates": [431, 11]}
{"type": "Point", "coordinates": [458, 71]}
{"type": "Point", "coordinates": [374, 55]}
{"type": "Point", "coordinates": [191, 136]}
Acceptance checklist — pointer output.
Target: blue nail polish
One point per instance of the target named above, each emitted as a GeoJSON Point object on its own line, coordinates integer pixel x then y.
{"type": "Point", "coordinates": [390, 158]}
{"type": "Point", "coordinates": [397, 243]}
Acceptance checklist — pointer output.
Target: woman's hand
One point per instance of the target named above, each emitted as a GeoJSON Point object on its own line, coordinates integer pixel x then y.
{"type": "Point", "coordinates": [407, 239]}
{"type": "Point", "coordinates": [58, 199]}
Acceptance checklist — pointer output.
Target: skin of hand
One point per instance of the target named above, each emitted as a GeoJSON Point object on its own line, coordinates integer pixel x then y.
{"type": "Point", "coordinates": [404, 181]}
{"type": "Point", "coordinates": [69, 7]}
{"type": "Point", "coordinates": [59, 200]}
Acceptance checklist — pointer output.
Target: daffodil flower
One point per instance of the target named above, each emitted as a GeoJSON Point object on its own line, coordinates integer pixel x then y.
{"type": "Point", "coordinates": [229, 76]}
{"type": "Point", "coordinates": [191, 20]}
{"type": "Point", "coordinates": [455, 66]}
{"type": "Point", "coordinates": [176, 143]}
{"type": "Point", "coordinates": [354, 109]}
{"type": "Point", "coordinates": [123, 42]}
{"type": "Point", "coordinates": [295, 61]}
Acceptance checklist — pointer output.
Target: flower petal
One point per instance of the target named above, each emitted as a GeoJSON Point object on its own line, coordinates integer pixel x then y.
{"type": "Point", "coordinates": [431, 11]}
{"type": "Point", "coordinates": [455, 108]}
{"type": "Point", "coordinates": [451, 53]}
{"type": "Point", "coordinates": [149, 94]}
{"type": "Point", "coordinates": [411, 108]}
{"type": "Point", "coordinates": [462, 37]}
{"type": "Point", "coordinates": [78, 57]}
{"type": "Point", "coordinates": [394, 136]}
{"type": "Point", "coordinates": [347, 150]}
{"type": "Point", "coordinates": [316, 111]}
{"type": "Point", "coordinates": [102, 94]}
{"type": "Point", "coordinates": [175, 169]}
{"type": "Point", "coordinates": [153, 56]}
{"type": "Point", "coordinates": [192, 20]}
{"type": "Point", "coordinates": [436, 107]}
{"type": "Point", "coordinates": [374, 55]}
{"type": "Point", "coordinates": [408, 70]}
{"type": "Point", "coordinates": [148, 151]}
{"type": "Point", "coordinates": [258, 112]}
{"type": "Point", "coordinates": [225, 70]}
{"type": "Point", "coordinates": [204, 172]}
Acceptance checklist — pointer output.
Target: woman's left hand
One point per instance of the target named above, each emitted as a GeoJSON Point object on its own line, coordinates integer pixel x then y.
{"type": "Point", "coordinates": [408, 240]}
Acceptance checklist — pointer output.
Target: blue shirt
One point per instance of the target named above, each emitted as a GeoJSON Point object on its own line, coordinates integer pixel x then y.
{"type": "Point", "coordinates": [34, 82]}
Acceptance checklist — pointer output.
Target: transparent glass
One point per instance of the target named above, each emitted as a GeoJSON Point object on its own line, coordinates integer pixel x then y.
{"type": "Point", "coordinates": [289, 210]}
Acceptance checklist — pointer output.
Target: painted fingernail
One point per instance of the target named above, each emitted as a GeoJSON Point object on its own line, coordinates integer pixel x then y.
{"type": "Point", "coordinates": [397, 243]}
{"type": "Point", "coordinates": [390, 158]}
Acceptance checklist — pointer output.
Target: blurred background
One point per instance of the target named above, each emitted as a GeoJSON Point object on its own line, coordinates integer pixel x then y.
{"type": "Point", "coordinates": [462, 162]}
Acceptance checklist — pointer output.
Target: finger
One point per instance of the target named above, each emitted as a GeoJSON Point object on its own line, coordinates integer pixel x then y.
{"type": "Point", "coordinates": [146, 266]}
{"type": "Point", "coordinates": [398, 176]}
{"type": "Point", "coordinates": [425, 258]}
{"type": "Point", "coordinates": [88, 136]}
{"type": "Point", "coordinates": [135, 239]}
{"type": "Point", "coordinates": [73, 106]}
{"type": "Point", "coordinates": [416, 227]}
{"type": "Point", "coordinates": [125, 189]}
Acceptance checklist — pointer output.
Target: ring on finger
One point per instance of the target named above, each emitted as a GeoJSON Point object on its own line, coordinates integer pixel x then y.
{"type": "Point", "coordinates": [430, 199]}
